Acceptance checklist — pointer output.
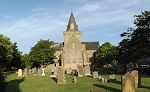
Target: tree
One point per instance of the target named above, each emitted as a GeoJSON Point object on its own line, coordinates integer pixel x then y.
{"type": "Point", "coordinates": [136, 42]}
{"type": "Point", "coordinates": [42, 52]}
{"type": "Point", "coordinates": [6, 48]}
{"type": "Point", "coordinates": [16, 57]}
{"type": "Point", "coordinates": [106, 53]}
{"type": "Point", "coordinates": [26, 62]}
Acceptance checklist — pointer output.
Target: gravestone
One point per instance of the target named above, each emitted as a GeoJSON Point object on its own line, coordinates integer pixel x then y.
{"type": "Point", "coordinates": [80, 70]}
{"type": "Point", "coordinates": [39, 72]}
{"type": "Point", "coordinates": [34, 71]}
{"type": "Point", "coordinates": [136, 75]}
{"type": "Point", "coordinates": [112, 77]}
{"type": "Point", "coordinates": [105, 80]}
{"type": "Point", "coordinates": [25, 72]}
{"type": "Point", "coordinates": [95, 74]}
{"type": "Point", "coordinates": [48, 68]}
{"type": "Point", "coordinates": [53, 71]}
{"type": "Point", "coordinates": [43, 71]}
{"type": "Point", "coordinates": [69, 70]}
{"type": "Point", "coordinates": [30, 72]}
{"type": "Point", "coordinates": [128, 83]}
{"type": "Point", "coordinates": [20, 72]}
{"type": "Point", "coordinates": [74, 79]}
{"type": "Point", "coordinates": [61, 75]}
{"type": "Point", "coordinates": [99, 77]}
{"type": "Point", "coordinates": [102, 80]}
{"type": "Point", "coordinates": [87, 70]}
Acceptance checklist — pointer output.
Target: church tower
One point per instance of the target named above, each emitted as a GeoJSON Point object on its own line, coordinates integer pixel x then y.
{"type": "Point", "coordinates": [73, 48]}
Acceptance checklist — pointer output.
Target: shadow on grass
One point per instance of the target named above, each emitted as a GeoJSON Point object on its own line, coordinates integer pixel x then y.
{"type": "Point", "coordinates": [54, 79]}
{"type": "Point", "coordinates": [107, 88]}
{"type": "Point", "coordinates": [144, 87]}
{"type": "Point", "coordinates": [115, 81]}
{"type": "Point", "coordinates": [13, 85]}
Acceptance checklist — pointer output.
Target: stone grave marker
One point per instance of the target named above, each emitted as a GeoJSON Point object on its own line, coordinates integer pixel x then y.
{"type": "Point", "coordinates": [43, 71]}
{"type": "Point", "coordinates": [39, 72]}
{"type": "Point", "coordinates": [34, 71]}
{"type": "Point", "coordinates": [128, 83]}
{"type": "Point", "coordinates": [20, 72]}
{"type": "Point", "coordinates": [112, 77]}
{"type": "Point", "coordinates": [136, 75]}
{"type": "Point", "coordinates": [25, 72]}
{"type": "Point", "coordinates": [80, 70]}
{"type": "Point", "coordinates": [87, 70]}
{"type": "Point", "coordinates": [61, 75]}
{"type": "Point", "coordinates": [30, 72]}
{"type": "Point", "coordinates": [102, 80]}
{"type": "Point", "coordinates": [69, 70]}
{"type": "Point", "coordinates": [95, 74]}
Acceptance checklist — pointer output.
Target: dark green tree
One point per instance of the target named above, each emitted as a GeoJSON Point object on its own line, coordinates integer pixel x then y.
{"type": "Point", "coordinates": [16, 57]}
{"type": "Point", "coordinates": [6, 48]}
{"type": "Point", "coordinates": [42, 52]}
{"type": "Point", "coordinates": [26, 62]}
{"type": "Point", "coordinates": [136, 42]}
{"type": "Point", "coordinates": [106, 53]}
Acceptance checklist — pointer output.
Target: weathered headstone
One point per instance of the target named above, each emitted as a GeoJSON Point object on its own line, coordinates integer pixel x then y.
{"type": "Point", "coordinates": [87, 70]}
{"type": "Point", "coordinates": [43, 71]}
{"type": "Point", "coordinates": [39, 72]}
{"type": "Point", "coordinates": [80, 71]}
{"type": "Point", "coordinates": [112, 77]}
{"type": "Point", "coordinates": [95, 74]}
{"type": "Point", "coordinates": [69, 70]}
{"type": "Point", "coordinates": [105, 80]}
{"type": "Point", "coordinates": [20, 72]}
{"type": "Point", "coordinates": [102, 80]}
{"type": "Point", "coordinates": [136, 75]}
{"type": "Point", "coordinates": [30, 72]}
{"type": "Point", "coordinates": [53, 71]}
{"type": "Point", "coordinates": [61, 75]}
{"type": "Point", "coordinates": [74, 79]}
{"type": "Point", "coordinates": [25, 72]}
{"type": "Point", "coordinates": [99, 77]}
{"type": "Point", "coordinates": [34, 71]}
{"type": "Point", "coordinates": [128, 83]}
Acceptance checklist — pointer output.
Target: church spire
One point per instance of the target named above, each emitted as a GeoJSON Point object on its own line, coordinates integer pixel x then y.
{"type": "Point", "coordinates": [72, 26]}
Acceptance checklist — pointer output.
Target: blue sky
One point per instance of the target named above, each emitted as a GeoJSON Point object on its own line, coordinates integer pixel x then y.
{"type": "Point", "coordinates": [28, 21]}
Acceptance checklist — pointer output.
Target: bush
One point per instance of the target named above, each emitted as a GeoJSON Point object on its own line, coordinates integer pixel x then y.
{"type": "Point", "coordinates": [2, 81]}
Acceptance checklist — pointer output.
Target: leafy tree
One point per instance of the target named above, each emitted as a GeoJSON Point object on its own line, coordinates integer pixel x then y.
{"type": "Point", "coordinates": [26, 62]}
{"type": "Point", "coordinates": [107, 53]}
{"type": "Point", "coordinates": [42, 52]}
{"type": "Point", "coordinates": [136, 42]}
{"type": "Point", "coordinates": [2, 81]}
{"type": "Point", "coordinates": [6, 48]}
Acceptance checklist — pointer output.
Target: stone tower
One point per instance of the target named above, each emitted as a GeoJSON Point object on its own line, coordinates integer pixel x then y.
{"type": "Point", "coordinates": [73, 48]}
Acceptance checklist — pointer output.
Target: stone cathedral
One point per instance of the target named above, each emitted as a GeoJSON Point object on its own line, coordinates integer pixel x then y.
{"type": "Point", "coordinates": [73, 52]}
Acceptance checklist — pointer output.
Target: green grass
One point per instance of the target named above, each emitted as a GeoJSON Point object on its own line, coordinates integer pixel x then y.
{"type": "Point", "coordinates": [46, 84]}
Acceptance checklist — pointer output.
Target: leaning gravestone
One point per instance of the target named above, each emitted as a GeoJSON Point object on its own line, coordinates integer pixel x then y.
{"type": "Point", "coordinates": [128, 83]}
{"type": "Point", "coordinates": [25, 72]}
{"type": "Point", "coordinates": [87, 70]}
{"type": "Point", "coordinates": [61, 75]}
{"type": "Point", "coordinates": [80, 71]}
{"type": "Point", "coordinates": [20, 72]}
{"type": "Point", "coordinates": [95, 74]}
{"type": "Point", "coordinates": [53, 71]}
{"type": "Point", "coordinates": [135, 74]}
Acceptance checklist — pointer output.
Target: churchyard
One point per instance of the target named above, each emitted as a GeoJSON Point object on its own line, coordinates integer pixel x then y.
{"type": "Point", "coordinates": [39, 83]}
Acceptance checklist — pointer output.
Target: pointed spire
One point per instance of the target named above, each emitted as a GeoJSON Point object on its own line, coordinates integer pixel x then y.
{"type": "Point", "coordinates": [72, 26]}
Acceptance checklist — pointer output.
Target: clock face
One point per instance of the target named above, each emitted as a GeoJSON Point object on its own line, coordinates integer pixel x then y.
{"type": "Point", "coordinates": [71, 26]}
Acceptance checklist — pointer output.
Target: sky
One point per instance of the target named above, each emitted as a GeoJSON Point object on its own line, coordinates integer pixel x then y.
{"type": "Point", "coordinates": [28, 21]}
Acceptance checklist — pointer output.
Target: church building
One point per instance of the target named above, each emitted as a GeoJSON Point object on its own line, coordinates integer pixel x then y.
{"type": "Point", "coordinates": [73, 52]}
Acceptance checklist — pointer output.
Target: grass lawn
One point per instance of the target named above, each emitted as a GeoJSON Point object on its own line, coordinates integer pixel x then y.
{"type": "Point", "coordinates": [46, 84]}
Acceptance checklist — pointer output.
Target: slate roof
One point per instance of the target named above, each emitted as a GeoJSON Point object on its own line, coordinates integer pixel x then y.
{"type": "Point", "coordinates": [88, 45]}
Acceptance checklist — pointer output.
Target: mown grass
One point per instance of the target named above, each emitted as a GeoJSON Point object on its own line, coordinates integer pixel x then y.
{"type": "Point", "coordinates": [84, 84]}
